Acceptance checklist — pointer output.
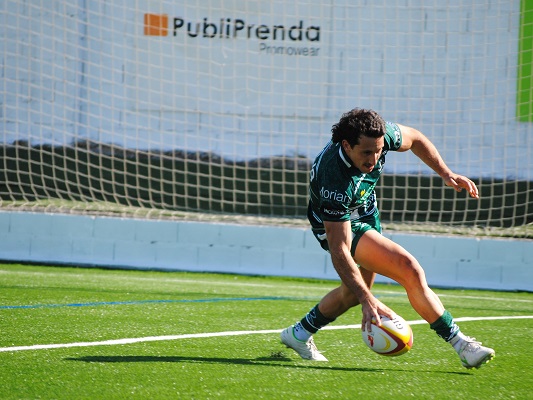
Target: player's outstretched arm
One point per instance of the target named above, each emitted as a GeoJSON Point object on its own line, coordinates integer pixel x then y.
{"type": "Point", "coordinates": [424, 149]}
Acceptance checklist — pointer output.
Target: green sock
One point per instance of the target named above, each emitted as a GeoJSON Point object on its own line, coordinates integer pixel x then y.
{"type": "Point", "coordinates": [314, 320]}
{"type": "Point", "coordinates": [445, 327]}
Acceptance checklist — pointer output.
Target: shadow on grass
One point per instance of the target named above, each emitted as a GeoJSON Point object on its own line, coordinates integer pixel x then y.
{"type": "Point", "coordinates": [274, 361]}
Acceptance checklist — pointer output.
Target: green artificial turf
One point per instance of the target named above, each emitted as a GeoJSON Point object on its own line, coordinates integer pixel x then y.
{"type": "Point", "coordinates": [87, 309]}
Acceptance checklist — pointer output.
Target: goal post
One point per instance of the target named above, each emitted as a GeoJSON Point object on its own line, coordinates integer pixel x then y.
{"type": "Point", "coordinates": [155, 107]}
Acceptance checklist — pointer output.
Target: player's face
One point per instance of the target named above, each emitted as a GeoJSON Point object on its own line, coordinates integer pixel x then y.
{"type": "Point", "coordinates": [365, 155]}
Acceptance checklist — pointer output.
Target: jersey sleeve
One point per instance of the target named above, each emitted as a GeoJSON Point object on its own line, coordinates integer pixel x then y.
{"type": "Point", "coordinates": [393, 136]}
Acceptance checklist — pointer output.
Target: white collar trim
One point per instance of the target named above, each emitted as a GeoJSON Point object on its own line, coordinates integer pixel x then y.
{"type": "Point", "coordinates": [346, 162]}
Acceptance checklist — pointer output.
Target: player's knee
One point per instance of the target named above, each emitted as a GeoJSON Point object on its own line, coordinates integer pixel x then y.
{"type": "Point", "coordinates": [412, 273]}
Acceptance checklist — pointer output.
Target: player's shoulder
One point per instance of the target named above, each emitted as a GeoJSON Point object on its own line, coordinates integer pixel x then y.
{"type": "Point", "coordinates": [393, 135]}
{"type": "Point", "coordinates": [331, 171]}
{"type": "Point", "coordinates": [328, 157]}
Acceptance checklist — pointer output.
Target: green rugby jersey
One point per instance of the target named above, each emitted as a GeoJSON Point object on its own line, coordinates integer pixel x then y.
{"type": "Point", "coordinates": [338, 191]}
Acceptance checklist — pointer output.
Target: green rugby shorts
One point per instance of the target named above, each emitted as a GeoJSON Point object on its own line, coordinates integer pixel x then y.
{"type": "Point", "coordinates": [359, 227]}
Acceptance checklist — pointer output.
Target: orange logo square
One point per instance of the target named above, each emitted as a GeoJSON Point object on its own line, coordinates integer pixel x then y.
{"type": "Point", "coordinates": [156, 24]}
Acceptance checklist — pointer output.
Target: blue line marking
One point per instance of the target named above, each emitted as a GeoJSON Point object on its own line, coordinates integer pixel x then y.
{"type": "Point", "coordinates": [135, 302]}
{"type": "Point", "coordinates": [114, 303]}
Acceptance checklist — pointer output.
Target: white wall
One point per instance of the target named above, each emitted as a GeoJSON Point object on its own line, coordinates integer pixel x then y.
{"type": "Point", "coordinates": [84, 69]}
{"type": "Point", "coordinates": [245, 249]}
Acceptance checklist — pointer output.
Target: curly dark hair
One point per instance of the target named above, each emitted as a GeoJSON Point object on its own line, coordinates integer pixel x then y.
{"type": "Point", "coordinates": [355, 123]}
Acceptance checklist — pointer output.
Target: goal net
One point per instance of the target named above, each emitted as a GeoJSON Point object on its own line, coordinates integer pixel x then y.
{"type": "Point", "coordinates": [156, 107]}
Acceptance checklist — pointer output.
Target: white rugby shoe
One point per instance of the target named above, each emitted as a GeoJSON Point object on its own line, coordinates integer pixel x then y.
{"type": "Point", "coordinates": [306, 350]}
{"type": "Point", "coordinates": [473, 354]}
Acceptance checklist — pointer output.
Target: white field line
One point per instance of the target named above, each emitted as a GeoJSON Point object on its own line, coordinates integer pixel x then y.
{"type": "Point", "coordinates": [174, 280]}
{"type": "Point", "coordinates": [215, 334]}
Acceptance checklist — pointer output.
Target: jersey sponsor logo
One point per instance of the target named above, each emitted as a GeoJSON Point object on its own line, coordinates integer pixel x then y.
{"type": "Point", "coordinates": [333, 195]}
{"type": "Point", "coordinates": [334, 213]}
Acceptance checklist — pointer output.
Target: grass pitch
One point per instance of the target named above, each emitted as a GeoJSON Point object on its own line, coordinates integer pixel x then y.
{"type": "Point", "coordinates": [65, 335]}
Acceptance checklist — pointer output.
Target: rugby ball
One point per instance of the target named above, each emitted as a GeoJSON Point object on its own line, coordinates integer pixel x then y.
{"type": "Point", "coordinates": [393, 338]}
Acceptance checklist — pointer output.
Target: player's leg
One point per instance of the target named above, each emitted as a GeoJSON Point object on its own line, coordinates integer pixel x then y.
{"type": "Point", "coordinates": [335, 303]}
{"type": "Point", "coordinates": [341, 299]}
{"type": "Point", "coordinates": [338, 301]}
{"type": "Point", "coordinates": [382, 256]}
{"type": "Point", "coordinates": [332, 305]}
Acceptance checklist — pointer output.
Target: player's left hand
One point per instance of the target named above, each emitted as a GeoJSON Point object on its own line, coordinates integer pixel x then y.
{"type": "Point", "coordinates": [460, 182]}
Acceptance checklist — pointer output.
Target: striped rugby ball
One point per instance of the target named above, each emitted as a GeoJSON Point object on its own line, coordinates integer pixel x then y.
{"type": "Point", "coordinates": [393, 338]}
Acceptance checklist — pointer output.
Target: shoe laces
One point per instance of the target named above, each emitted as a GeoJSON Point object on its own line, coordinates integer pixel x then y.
{"type": "Point", "coordinates": [471, 344]}
{"type": "Point", "coordinates": [312, 346]}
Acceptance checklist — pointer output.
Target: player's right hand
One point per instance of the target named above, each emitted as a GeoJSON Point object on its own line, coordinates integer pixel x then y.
{"type": "Point", "coordinates": [372, 309]}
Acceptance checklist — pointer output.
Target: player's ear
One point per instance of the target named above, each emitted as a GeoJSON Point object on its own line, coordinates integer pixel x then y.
{"type": "Point", "coordinates": [345, 145]}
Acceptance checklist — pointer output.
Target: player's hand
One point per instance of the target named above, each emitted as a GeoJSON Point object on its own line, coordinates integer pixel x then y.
{"type": "Point", "coordinates": [460, 182]}
{"type": "Point", "coordinates": [372, 308]}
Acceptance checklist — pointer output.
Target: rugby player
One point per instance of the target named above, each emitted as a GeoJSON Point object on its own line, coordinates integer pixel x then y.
{"type": "Point", "coordinates": [344, 217]}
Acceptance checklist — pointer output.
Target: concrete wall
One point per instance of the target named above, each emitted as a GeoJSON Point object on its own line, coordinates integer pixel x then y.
{"type": "Point", "coordinates": [244, 249]}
